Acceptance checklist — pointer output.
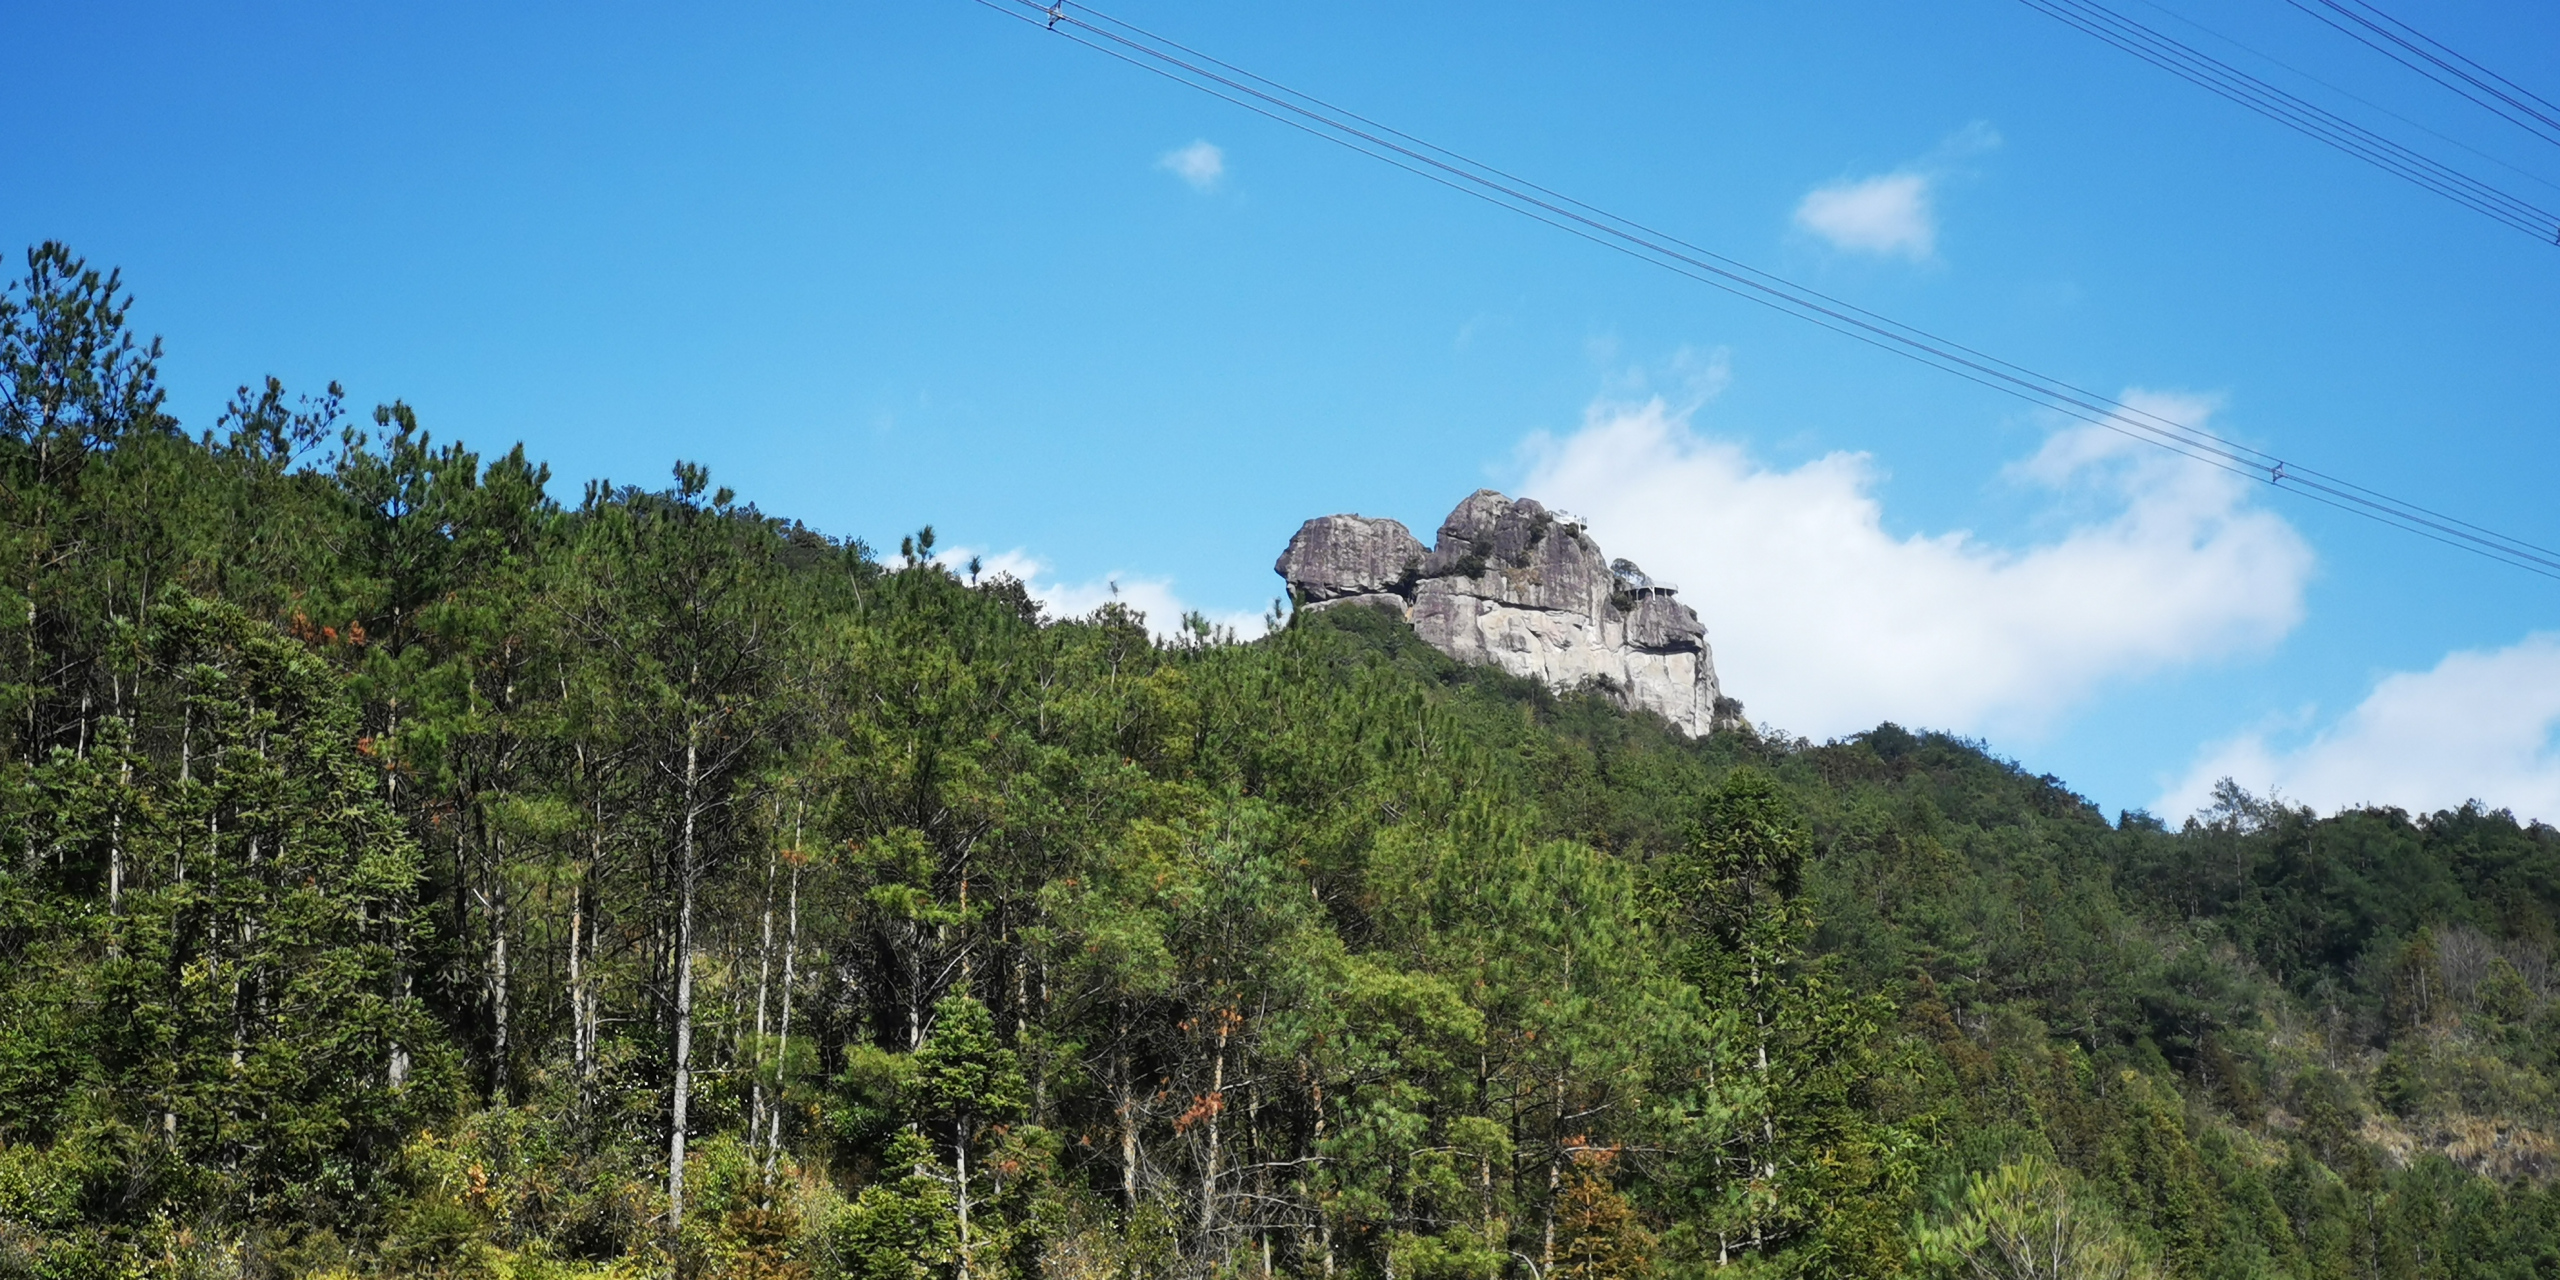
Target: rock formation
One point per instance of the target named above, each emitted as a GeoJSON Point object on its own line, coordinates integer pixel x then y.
{"type": "Point", "coordinates": [1516, 586]}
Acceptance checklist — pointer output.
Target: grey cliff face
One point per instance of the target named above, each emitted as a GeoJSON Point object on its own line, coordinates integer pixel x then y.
{"type": "Point", "coordinates": [1512, 585]}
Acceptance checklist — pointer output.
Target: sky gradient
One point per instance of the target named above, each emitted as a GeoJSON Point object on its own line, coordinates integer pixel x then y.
{"type": "Point", "coordinates": [880, 265]}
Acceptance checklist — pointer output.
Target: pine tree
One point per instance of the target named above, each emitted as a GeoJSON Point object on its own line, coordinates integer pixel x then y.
{"type": "Point", "coordinates": [681, 627]}
{"type": "Point", "coordinates": [966, 1085]}
{"type": "Point", "coordinates": [1781, 1150]}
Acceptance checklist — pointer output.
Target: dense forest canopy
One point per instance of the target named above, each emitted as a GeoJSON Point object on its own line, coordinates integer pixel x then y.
{"type": "Point", "coordinates": [404, 871]}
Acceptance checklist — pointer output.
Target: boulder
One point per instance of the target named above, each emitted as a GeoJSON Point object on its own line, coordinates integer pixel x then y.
{"type": "Point", "coordinates": [1336, 558]}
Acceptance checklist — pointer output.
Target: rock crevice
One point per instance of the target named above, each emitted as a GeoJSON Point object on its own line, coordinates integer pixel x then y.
{"type": "Point", "coordinates": [1513, 585]}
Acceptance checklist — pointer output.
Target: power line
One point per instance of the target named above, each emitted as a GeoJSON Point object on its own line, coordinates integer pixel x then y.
{"type": "Point", "coordinates": [2401, 43]}
{"type": "Point", "coordinates": [1314, 116]}
{"type": "Point", "coordinates": [2351, 96]}
{"type": "Point", "coordinates": [2308, 118]}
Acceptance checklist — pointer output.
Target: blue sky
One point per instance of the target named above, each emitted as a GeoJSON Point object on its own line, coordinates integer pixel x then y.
{"type": "Point", "coordinates": [880, 265]}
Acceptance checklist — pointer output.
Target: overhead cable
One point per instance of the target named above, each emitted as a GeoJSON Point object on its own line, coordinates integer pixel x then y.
{"type": "Point", "coordinates": [1309, 114]}
{"type": "Point", "coordinates": [2303, 116]}
{"type": "Point", "coordinates": [2356, 98]}
{"type": "Point", "coordinates": [2411, 48]}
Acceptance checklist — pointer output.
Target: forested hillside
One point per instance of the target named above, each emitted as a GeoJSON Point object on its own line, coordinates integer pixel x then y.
{"type": "Point", "coordinates": [405, 870]}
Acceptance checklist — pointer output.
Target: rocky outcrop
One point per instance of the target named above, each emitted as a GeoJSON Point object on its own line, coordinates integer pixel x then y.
{"type": "Point", "coordinates": [1343, 559]}
{"type": "Point", "coordinates": [1516, 586]}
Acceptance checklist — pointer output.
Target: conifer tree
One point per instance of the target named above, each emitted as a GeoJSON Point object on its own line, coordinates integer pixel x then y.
{"type": "Point", "coordinates": [966, 1084]}
{"type": "Point", "coordinates": [1780, 1150]}
{"type": "Point", "coordinates": [681, 633]}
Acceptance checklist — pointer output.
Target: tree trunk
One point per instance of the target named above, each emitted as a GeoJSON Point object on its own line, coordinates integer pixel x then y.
{"type": "Point", "coordinates": [1555, 1180]}
{"type": "Point", "coordinates": [115, 836]}
{"type": "Point", "coordinates": [764, 972]}
{"type": "Point", "coordinates": [1315, 1149]}
{"type": "Point", "coordinates": [782, 1043]}
{"type": "Point", "coordinates": [960, 1150]}
{"type": "Point", "coordinates": [582, 1000]}
{"type": "Point", "coordinates": [1022, 1020]}
{"type": "Point", "coordinates": [35, 665]}
{"type": "Point", "coordinates": [595, 991]}
{"type": "Point", "coordinates": [1128, 1127]}
{"type": "Point", "coordinates": [498, 976]}
{"type": "Point", "coordinates": [1484, 1161]}
{"type": "Point", "coordinates": [398, 1070]}
{"type": "Point", "coordinates": [684, 993]}
{"type": "Point", "coordinates": [577, 974]}
{"type": "Point", "coordinates": [1768, 1164]}
{"type": "Point", "coordinates": [1217, 1104]}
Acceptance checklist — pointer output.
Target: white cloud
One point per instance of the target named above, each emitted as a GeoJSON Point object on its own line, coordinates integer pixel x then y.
{"type": "Point", "coordinates": [1894, 213]}
{"type": "Point", "coordinates": [1972, 140]}
{"type": "Point", "coordinates": [1201, 164]}
{"type": "Point", "coordinates": [1824, 623]}
{"type": "Point", "coordinates": [1888, 214]}
{"type": "Point", "coordinates": [2480, 726]}
{"type": "Point", "coordinates": [1151, 596]}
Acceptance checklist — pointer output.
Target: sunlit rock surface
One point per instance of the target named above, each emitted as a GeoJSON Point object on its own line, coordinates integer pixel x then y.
{"type": "Point", "coordinates": [1516, 586]}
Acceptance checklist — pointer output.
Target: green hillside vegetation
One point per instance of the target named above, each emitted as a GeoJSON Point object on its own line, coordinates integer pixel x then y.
{"type": "Point", "coordinates": [406, 872]}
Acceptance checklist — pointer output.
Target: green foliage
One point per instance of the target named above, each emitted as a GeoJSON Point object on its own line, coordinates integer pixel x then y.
{"type": "Point", "coordinates": [903, 1226]}
{"type": "Point", "coordinates": [1783, 1149]}
{"type": "Point", "coordinates": [404, 873]}
{"type": "Point", "coordinates": [2026, 1221]}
